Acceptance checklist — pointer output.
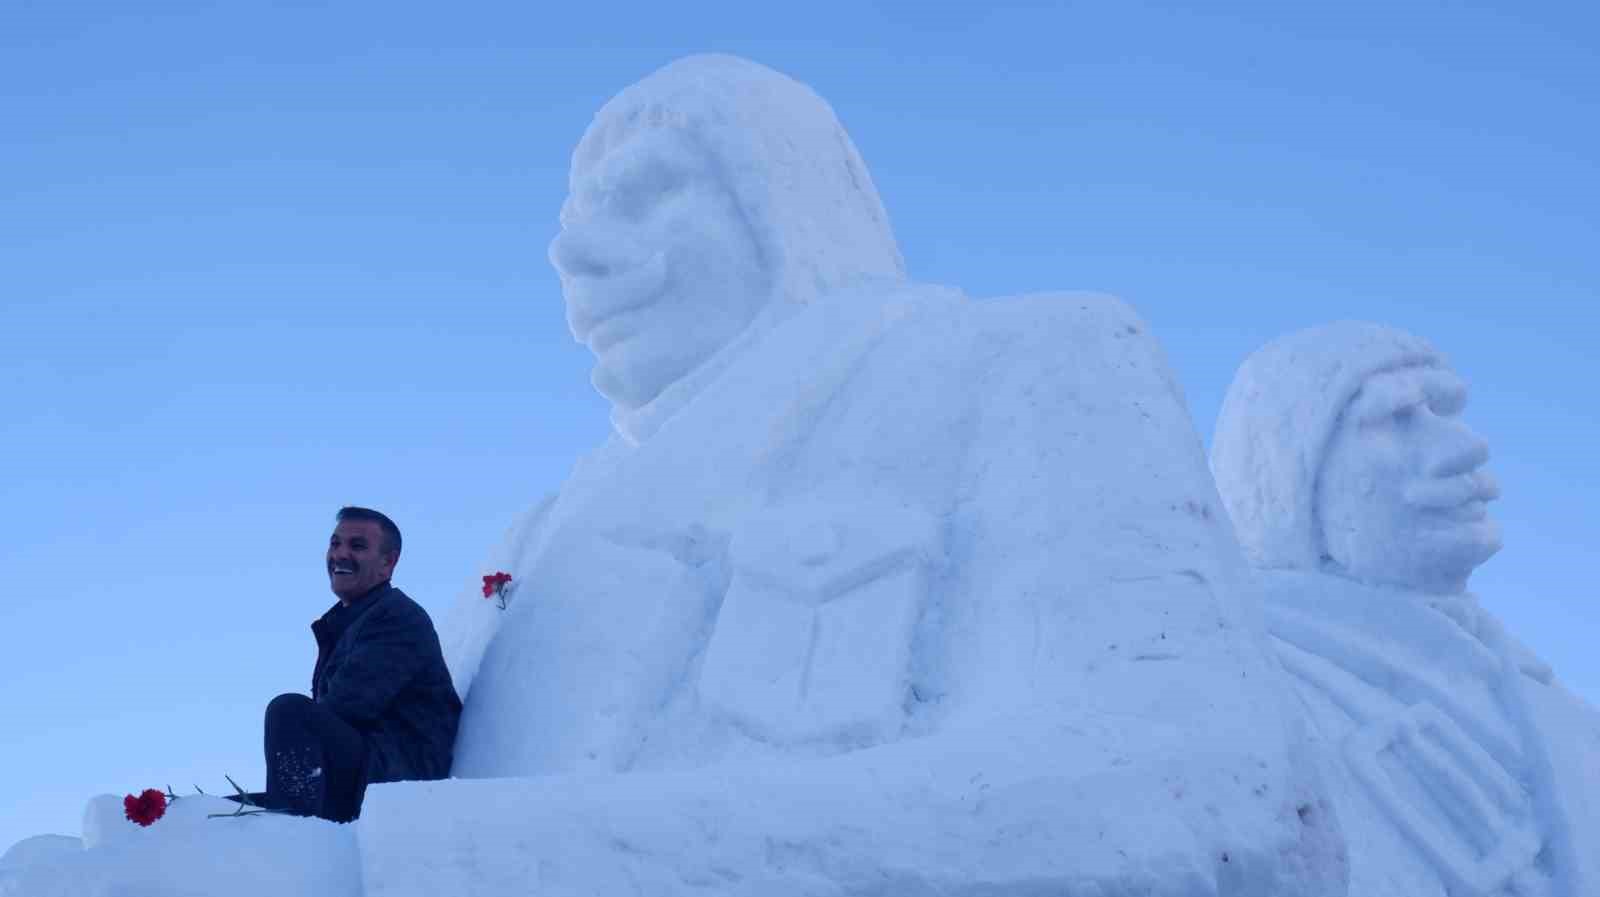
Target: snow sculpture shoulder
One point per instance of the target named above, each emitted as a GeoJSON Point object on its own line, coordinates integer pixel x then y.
{"type": "Point", "coordinates": [1360, 493]}
{"type": "Point", "coordinates": [875, 589]}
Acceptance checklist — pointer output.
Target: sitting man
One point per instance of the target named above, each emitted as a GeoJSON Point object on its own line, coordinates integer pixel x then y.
{"type": "Point", "coordinates": [382, 706]}
{"type": "Point", "coordinates": [1459, 764]}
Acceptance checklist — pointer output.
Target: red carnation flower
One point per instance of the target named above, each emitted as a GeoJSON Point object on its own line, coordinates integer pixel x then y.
{"type": "Point", "coordinates": [146, 808]}
{"type": "Point", "coordinates": [495, 584]}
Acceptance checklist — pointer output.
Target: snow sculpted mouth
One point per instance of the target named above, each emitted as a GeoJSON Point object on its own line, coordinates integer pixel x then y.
{"type": "Point", "coordinates": [1450, 493]}
{"type": "Point", "coordinates": [591, 301]}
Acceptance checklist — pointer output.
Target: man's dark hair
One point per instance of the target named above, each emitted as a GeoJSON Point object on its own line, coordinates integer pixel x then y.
{"type": "Point", "coordinates": [391, 533]}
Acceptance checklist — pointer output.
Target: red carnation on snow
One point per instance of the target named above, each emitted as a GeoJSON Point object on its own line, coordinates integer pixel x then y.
{"type": "Point", "coordinates": [495, 584]}
{"type": "Point", "coordinates": [149, 806]}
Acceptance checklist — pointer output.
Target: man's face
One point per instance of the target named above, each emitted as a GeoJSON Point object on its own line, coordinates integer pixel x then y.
{"type": "Point", "coordinates": [1402, 495]}
{"type": "Point", "coordinates": [658, 266]}
{"type": "Point", "coordinates": [356, 559]}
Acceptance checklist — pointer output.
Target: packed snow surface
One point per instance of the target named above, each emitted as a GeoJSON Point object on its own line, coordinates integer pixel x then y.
{"type": "Point", "coordinates": [187, 854]}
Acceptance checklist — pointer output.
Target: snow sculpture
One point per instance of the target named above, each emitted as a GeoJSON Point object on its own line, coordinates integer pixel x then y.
{"type": "Point", "coordinates": [875, 588]}
{"type": "Point", "coordinates": [1460, 766]}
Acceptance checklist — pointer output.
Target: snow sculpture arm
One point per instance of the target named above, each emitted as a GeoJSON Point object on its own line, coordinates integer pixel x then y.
{"type": "Point", "coordinates": [472, 621]}
{"type": "Point", "coordinates": [1117, 603]}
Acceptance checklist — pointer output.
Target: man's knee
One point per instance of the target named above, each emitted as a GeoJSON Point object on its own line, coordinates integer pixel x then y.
{"type": "Point", "coordinates": [287, 707]}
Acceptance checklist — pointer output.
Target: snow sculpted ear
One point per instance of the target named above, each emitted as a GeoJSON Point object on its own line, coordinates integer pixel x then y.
{"type": "Point", "coordinates": [814, 637]}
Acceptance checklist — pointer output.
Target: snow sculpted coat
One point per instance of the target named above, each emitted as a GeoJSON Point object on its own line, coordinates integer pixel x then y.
{"type": "Point", "coordinates": [380, 669]}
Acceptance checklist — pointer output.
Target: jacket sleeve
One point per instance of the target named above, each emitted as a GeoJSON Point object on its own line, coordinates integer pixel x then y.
{"type": "Point", "coordinates": [386, 657]}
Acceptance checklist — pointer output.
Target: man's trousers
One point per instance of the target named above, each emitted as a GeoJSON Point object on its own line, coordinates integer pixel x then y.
{"type": "Point", "coordinates": [316, 762]}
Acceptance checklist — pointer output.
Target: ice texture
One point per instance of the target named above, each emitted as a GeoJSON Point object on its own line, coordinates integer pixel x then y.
{"type": "Point", "coordinates": [1459, 765]}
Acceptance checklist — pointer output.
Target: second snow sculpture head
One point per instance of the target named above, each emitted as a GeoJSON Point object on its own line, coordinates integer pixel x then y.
{"type": "Point", "coordinates": [1341, 448]}
{"type": "Point", "coordinates": [705, 201]}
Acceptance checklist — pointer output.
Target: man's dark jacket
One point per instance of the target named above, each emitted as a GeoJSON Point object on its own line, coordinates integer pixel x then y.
{"type": "Point", "coordinates": [379, 668]}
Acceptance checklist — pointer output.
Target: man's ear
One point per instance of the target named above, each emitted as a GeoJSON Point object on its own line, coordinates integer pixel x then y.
{"type": "Point", "coordinates": [390, 559]}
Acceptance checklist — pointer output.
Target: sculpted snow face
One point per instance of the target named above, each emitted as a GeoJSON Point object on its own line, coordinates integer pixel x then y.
{"type": "Point", "coordinates": [706, 201]}
{"type": "Point", "coordinates": [1342, 449]}
{"type": "Point", "coordinates": [652, 240]}
{"type": "Point", "coordinates": [1402, 495]}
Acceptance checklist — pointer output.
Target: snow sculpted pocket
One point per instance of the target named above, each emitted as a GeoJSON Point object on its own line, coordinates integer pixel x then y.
{"type": "Point", "coordinates": [813, 640]}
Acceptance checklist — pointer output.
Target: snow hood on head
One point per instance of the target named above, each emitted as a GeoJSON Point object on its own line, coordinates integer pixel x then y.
{"type": "Point", "coordinates": [1276, 423]}
{"type": "Point", "coordinates": [793, 171]}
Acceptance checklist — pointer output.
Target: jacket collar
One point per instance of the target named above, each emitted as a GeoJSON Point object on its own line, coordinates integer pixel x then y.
{"type": "Point", "coordinates": [338, 618]}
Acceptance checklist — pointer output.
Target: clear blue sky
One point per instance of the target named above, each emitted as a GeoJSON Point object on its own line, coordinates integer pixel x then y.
{"type": "Point", "coordinates": [261, 260]}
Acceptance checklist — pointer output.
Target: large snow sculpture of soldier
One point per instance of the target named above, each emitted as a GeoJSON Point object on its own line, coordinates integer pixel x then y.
{"type": "Point", "coordinates": [1461, 766]}
{"type": "Point", "coordinates": [874, 588]}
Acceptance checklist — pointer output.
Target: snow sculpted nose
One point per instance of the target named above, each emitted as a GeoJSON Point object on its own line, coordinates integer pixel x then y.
{"type": "Point", "coordinates": [595, 251]}
{"type": "Point", "coordinates": [1460, 452]}
{"type": "Point", "coordinates": [1452, 472]}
